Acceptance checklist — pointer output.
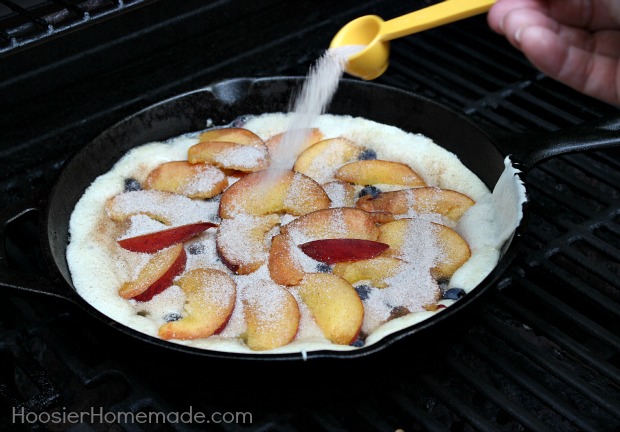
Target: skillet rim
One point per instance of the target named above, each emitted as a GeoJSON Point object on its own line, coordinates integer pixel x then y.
{"type": "Point", "coordinates": [220, 89]}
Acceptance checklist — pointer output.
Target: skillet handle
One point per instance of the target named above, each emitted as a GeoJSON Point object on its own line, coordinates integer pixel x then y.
{"type": "Point", "coordinates": [47, 284]}
{"type": "Point", "coordinates": [530, 149]}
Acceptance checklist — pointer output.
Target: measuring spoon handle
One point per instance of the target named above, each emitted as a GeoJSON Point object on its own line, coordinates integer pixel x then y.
{"type": "Point", "coordinates": [433, 16]}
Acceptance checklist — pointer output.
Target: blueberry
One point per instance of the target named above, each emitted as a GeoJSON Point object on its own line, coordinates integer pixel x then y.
{"type": "Point", "coordinates": [196, 249]}
{"type": "Point", "coordinates": [172, 317]}
{"type": "Point", "coordinates": [239, 122]}
{"type": "Point", "coordinates": [131, 184]}
{"type": "Point", "coordinates": [454, 294]}
{"type": "Point", "coordinates": [370, 190]}
{"type": "Point", "coordinates": [323, 268]}
{"type": "Point", "coordinates": [359, 342]}
{"type": "Point", "coordinates": [368, 154]}
{"type": "Point", "coordinates": [363, 291]}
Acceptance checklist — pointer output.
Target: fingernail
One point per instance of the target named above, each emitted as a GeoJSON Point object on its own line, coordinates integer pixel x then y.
{"type": "Point", "coordinates": [518, 34]}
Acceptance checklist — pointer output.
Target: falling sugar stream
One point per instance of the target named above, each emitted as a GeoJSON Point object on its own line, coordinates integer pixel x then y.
{"type": "Point", "coordinates": [312, 100]}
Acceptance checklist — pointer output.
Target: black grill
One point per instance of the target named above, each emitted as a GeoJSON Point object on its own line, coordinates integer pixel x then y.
{"type": "Point", "coordinates": [542, 353]}
{"type": "Point", "coordinates": [29, 22]}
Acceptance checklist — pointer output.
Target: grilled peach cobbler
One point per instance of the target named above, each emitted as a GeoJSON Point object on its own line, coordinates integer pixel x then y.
{"type": "Point", "coordinates": [198, 240]}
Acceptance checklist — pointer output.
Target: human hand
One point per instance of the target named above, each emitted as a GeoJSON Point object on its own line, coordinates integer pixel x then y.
{"type": "Point", "coordinates": [576, 42]}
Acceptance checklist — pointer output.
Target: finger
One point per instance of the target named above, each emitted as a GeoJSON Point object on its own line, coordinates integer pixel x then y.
{"type": "Point", "coordinates": [608, 14]}
{"type": "Point", "coordinates": [502, 8]}
{"type": "Point", "coordinates": [602, 42]}
{"type": "Point", "coordinates": [590, 14]}
{"type": "Point", "coordinates": [589, 72]}
{"type": "Point", "coordinates": [516, 20]}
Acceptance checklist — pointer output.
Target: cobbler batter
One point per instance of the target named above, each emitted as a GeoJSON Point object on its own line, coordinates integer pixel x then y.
{"type": "Point", "coordinates": [99, 266]}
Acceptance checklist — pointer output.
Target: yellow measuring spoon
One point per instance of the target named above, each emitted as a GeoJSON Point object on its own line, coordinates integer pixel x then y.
{"type": "Point", "coordinates": [374, 34]}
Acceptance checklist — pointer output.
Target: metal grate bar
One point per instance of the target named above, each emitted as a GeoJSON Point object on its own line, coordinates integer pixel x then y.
{"type": "Point", "coordinates": [584, 323]}
{"type": "Point", "coordinates": [593, 265]}
{"type": "Point", "coordinates": [552, 366]}
{"type": "Point", "coordinates": [513, 109]}
{"type": "Point", "coordinates": [483, 54]}
{"type": "Point", "coordinates": [26, 14]}
{"type": "Point", "coordinates": [545, 109]}
{"type": "Point", "coordinates": [505, 366]}
{"type": "Point", "coordinates": [570, 344]}
{"type": "Point", "coordinates": [447, 64]}
{"type": "Point", "coordinates": [607, 158]}
{"type": "Point", "coordinates": [463, 409]}
{"type": "Point", "coordinates": [47, 393]}
{"type": "Point", "coordinates": [75, 8]}
{"type": "Point", "coordinates": [57, 17]}
{"type": "Point", "coordinates": [603, 170]}
{"type": "Point", "coordinates": [424, 418]}
{"type": "Point", "coordinates": [519, 413]}
{"type": "Point", "coordinates": [549, 197]}
{"type": "Point", "coordinates": [421, 74]}
{"type": "Point", "coordinates": [566, 99]}
{"type": "Point", "coordinates": [577, 285]}
{"type": "Point", "coordinates": [569, 176]}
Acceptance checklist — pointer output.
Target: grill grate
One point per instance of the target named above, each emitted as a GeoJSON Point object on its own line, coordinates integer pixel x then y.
{"type": "Point", "coordinates": [24, 23]}
{"type": "Point", "coordinates": [543, 352]}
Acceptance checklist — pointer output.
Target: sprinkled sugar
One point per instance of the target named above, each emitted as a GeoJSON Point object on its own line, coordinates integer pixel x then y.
{"type": "Point", "coordinates": [205, 180]}
{"type": "Point", "coordinates": [312, 101]}
{"type": "Point", "coordinates": [240, 157]}
{"type": "Point", "coordinates": [97, 277]}
{"type": "Point", "coordinates": [173, 209]}
{"type": "Point", "coordinates": [337, 194]}
{"type": "Point", "coordinates": [93, 260]}
{"type": "Point", "coordinates": [234, 235]}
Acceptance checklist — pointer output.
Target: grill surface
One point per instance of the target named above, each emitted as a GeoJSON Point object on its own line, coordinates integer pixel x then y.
{"type": "Point", "coordinates": [543, 353]}
{"type": "Point", "coordinates": [27, 23]}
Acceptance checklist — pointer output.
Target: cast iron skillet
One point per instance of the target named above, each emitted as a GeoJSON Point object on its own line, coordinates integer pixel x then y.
{"type": "Point", "coordinates": [223, 102]}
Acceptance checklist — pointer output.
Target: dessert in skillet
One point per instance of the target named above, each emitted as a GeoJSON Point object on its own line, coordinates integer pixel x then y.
{"type": "Point", "coordinates": [197, 241]}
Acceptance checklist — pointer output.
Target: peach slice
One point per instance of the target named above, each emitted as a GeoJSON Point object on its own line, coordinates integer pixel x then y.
{"type": "Point", "coordinates": [234, 174]}
{"type": "Point", "coordinates": [156, 241]}
{"type": "Point", "coordinates": [156, 275]}
{"type": "Point", "coordinates": [456, 252]}
{"type": "Point", "coordinates": [376, 171]}
{"type": "Point", "coordinates": [341, 193]}
{"type": "Point", "coordinates": [271, 315]}
{"type": "Point", "coordinates": [310, 136]}
{"type": "Point", "coordinates": [284, 267]}
{"type": "Point", "coordinates": [343, 222]}
{"type": "Point", "coordinates": [241, 242]}
{"type": "Point", "coordinates": [331, 251]}
{"type": "Point", "coordinates": [230, 148]}
{"type": "Point", "coordinates": [183, 178]}
{"type": "Point", "coordinates": [382, 217]}
{"type": "Point", "coordinates": [335, 306]}
{"type": "Point", "coordinates": [285, 258]}
{"type": "Point", "coordinates": [423, 200]}
{"type": "Point", "coordinates": [229, 155]}
{"type": "Point", "coordinates": [158, 205]}
{"type": "Point", "coordinates": [231, 134]}
{"type": "Point", "coordinates": [210, 300]}
{"type": "Point", "coordinates": [322, 159]}
{"type": "Point", "coordinates": [428, 243]}
{"type": "Point", "coordinates": [376, 270]}
{"type": "Point", "coordinates": [266, 192]}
